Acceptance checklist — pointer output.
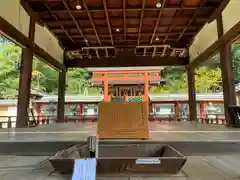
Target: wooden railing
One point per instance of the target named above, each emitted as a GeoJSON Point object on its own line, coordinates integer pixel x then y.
{"type": "Point", "coordinates": [10, 121]}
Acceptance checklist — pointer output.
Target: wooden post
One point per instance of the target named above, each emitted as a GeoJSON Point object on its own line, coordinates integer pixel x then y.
{"type": "Point", "coordinates": [105, 81]}
{"type": "Point", "coordinates": [38, 111]}
{"type": "Point", "coordinates": [191, 95]}
{"type": "Point", "coordinates": [61, 96]}
{"type": "Point", "coordinates": [201, 109]}
{"type": "Point", "coordinates": [229, 94]}
{"type": "Point", "coordinates": [25, 81]}
{"type": "Point", "coordinates": [146, 86]}
{"type": "Point", "coordinates": [80, 111]}
{"type": "Point", "coordinates": [177, 111]}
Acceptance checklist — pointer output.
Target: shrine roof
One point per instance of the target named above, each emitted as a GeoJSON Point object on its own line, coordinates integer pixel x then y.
{"type": "Point", "coordinates": [93, 32]}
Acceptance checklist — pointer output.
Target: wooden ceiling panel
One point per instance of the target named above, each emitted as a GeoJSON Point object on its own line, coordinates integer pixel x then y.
{"type": "Point", "coordinates": [114, 4]}
{"type": "Point", "coordinates": [123, 23]}
{"type": "Point", "coordinates": [191, 2]}
{"type": "Point", "coordinates": [149, 13]}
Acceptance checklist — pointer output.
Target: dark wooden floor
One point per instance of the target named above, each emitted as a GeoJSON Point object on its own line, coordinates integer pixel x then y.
{"type": "Point", "coordinates": [177, 131]}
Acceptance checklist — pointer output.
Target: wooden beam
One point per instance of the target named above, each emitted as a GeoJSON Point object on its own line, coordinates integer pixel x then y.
{"type": "Point", "coordinates": [61, 96]}
{"type": "Point", "coordinates": [108, 21]}
{"type": "Point", "coordinates": [128, 78]}
{"type": "Point", "coordinates": [219, 10]}
{"type": "Point", "coordinates": [58, 21]}
{"type": "Point", "coordinates": [227, 37]}
{"type": "Point", "coordinates": [158, 20]}
{"type": "Point", "coordinates": [191, 20]}
{"type": "Point", "coordinates": [74, 20]}
{"type": "Point", "coordinates": [31, 13]}
{"type": "Point", "coordinates": [124, 20]}
{"type": "Point", "coordinates": [127, 62]}
{"type": "Point", "coordinates": [192, 95]}
{"type": "Point", "coordinates": [141, 20]}
{"type": "Point", "coordinates": [18, 37]}
{"type": "Point", "coordinates": [25, 81]}
{"type": "Point", "coordinates": [229, 93]}
{"type": "Point", "coordinates": [160, 34]}
{"type": "Point", "coordinates": [126, 72]}
{"type": "Point", "coordinates": [128, 9]}
{"type": "Point", "coordinates": [91, 21]}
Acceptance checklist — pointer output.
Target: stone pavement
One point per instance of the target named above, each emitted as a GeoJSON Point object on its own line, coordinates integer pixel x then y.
{"type": "Point", "coordinates": [222, 167]}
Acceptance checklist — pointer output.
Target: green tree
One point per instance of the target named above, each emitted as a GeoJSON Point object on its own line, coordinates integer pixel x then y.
{"type": "Point", "coordinates": [236, 60]}
{"type": "Point", "coordinates": [78, 82]}
{"type": "Point", "coordinates": [44, 78]}
{"type": "Point", "coordinates": [9, 74]}
{"type": "Point", "coordinates": [207, 80]}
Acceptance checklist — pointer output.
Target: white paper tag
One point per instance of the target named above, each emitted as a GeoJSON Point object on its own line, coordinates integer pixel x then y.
{"type": "Point", "coordinates": [148, 161]}
{"type": "Point", "coordinates": [84, 169]}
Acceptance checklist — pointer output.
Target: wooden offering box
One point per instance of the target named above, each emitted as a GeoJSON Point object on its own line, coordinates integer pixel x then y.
{"type": "Point", "coordinates": [123, 120]}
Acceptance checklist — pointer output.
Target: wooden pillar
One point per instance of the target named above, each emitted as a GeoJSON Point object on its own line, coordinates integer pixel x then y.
{"type": "Point", "coordinates": [25, 81]}
{"type": "Point", "coordinates": [61, 96]}
{"type": "Point", "coordinates": [38, 111]}
{"type": "Point", "coordinates": [105, 82]}
{"type": "Point", "coordinates": [229, 94]}
{"type": "Point", "coordinates": [191, 95]}
{"type": "Point", "coordinates": [80, 111]}
{"type": "Point", "coordinates": [146, 86]}
{"type": "Point", "coordinates": [177, 111]}
{"type": "Point", "coordinates": [201, 109]}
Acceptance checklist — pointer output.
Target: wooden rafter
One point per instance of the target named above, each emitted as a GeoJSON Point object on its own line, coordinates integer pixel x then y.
{"type": "Point", "coordinates": [138, 22]}
{"type": "Point", "coordinates": [145, 52]}
{"type": "Point", "coordinates": [106, 52]}
{"type": "Point", "coordinates": [158, 20]}
{"type": "Point", "coordinates": [124, 19]}
{"type": "Point", "coordinates": [140, 26]}
{"type": "Point", "coordinates": [132, 19]}
{"type": "Point", "coordinates": [164, 50]}
{"type": "Point", "coordinates": [154, 51]}
{"type": "Point", "coordinates": [135, 34]}
{"type": "Point", "coordinates": [173, 24]}
{"type": "Point", "coordinates": [62, 27]}
{"type": "Point", "coordinates": [108, 22]}
{"type": "Point", "coordinates": [191, 20]}
{"type": "Point", "coordinates": [169, 7]}
{"type": "Point", "coordinates": [91, 20]}
{"type": "Point", "coordinates": [74, 20]}
{"type": "Point", "coordinates": [97, 53]}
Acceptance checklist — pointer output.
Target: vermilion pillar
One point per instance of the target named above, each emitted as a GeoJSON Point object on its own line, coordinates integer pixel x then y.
{"type": "Point", "coordinates": [202, 110]}
{"type": "Point", "coordinates": [38, 111]}
{"type": "Point", "coordinates": [105, 82]}
{"type": "Point", "coordinates": [146, 86]}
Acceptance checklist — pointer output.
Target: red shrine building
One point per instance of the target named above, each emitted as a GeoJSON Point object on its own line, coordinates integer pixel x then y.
{"type": "Point", "coordinates": [126, 82]}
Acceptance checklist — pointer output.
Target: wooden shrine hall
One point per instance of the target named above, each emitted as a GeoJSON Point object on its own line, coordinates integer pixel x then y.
{"type": "Point", "coordinates": [109, 33]}
{"type": "Point", "coordinates": [125, 82]}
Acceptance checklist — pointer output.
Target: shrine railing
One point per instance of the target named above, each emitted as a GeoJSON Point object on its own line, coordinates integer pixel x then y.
{"type": "Point", "coordinates": [126, 99]}
{"type": "Point", "coordinates": [10, 121]}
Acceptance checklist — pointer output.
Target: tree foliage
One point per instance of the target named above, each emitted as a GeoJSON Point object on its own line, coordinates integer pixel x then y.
{"type": "Point", "coordinates": [206, 79]}
{"type": "Point", "coordinates": [44, 78]}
